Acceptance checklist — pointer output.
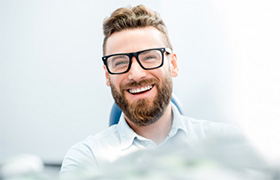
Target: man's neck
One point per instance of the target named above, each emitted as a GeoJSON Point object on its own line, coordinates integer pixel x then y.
{"type": "Point", "coordinates": [157, 131]}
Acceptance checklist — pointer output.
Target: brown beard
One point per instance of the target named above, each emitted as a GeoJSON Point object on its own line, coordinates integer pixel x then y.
{"type": "Point", "coordinates": [143, 113]}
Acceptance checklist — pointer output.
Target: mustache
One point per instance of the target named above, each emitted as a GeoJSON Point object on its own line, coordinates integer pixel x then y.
{"type": "Point", "coordinates": [135, 84]}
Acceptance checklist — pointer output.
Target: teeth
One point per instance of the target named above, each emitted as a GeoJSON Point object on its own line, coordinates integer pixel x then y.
{"type": "Point", "coordinates": [139, 90]}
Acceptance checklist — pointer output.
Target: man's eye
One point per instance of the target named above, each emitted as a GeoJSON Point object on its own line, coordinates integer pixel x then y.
{"type": "Point", "coordinates": [117, 61]}
{"type": "Point", "coordinates": [120, 63]}
{"type": "Point", "coordinates": [150, 57]}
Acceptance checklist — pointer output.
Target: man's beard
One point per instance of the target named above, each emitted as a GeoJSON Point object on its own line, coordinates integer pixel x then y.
{"type": "Point", "coordinates": [143, 112]}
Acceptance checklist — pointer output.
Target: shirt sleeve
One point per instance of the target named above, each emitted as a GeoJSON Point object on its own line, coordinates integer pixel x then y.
{"type": "Point", "coordinates": [78, 161]}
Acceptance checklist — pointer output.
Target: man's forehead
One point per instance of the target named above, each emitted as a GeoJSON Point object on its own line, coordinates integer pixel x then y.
{"type": "Point", "coordinates": [136, 39]}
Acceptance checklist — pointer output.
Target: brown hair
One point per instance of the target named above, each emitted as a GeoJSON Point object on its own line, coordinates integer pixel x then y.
{"type": "Point", "coordinates": [133, 17]}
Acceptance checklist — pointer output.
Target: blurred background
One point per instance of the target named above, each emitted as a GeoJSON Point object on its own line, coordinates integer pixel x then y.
{"type": "Point", "coordinates": [53, 91]}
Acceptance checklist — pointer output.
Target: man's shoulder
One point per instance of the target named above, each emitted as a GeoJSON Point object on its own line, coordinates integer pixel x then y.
{"type": "Point", "coordinates": [94, 143]}
{"type": "Point", "coordinates": [208, 127]}
{"type": "Point", "coordinates": [92, 150]}
{"type": "Point", "coordinates": [109, 135]}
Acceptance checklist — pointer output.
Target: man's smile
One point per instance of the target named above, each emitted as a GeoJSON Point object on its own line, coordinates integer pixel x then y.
{"type": "Point", "coordinates": [139, 90]}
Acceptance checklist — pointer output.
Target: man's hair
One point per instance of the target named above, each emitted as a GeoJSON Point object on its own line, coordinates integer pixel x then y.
{"type": "Point", "coordinates": [131, 18]}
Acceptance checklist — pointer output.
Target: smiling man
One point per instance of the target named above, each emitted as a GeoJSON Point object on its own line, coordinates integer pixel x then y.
{"type": "Point", "coordinates": [142, 87]}
{"type": "Point", "coordinates": [139, 65]}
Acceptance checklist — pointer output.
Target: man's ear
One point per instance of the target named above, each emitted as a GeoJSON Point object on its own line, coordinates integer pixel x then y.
{"type": "Point", "coordinates": [107, 76]}
{"type": "Point", "coordinates": [174, 65]}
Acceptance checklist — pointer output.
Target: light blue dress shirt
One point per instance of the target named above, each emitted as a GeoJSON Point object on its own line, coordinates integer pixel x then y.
{"type": "Point", "coordinates": [120, 140]}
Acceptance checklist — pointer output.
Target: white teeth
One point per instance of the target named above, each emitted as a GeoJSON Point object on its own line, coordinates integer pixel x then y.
{"type": "Point", "coordinates": [139, 90]}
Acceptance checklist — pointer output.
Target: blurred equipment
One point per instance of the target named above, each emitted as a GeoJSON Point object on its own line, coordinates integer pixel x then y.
{"type": "Point", "coordinates": [21, 165]}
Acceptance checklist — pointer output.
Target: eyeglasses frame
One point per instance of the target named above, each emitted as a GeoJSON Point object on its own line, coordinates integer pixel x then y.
{"type": "Point", "coordinates": [136, 54]}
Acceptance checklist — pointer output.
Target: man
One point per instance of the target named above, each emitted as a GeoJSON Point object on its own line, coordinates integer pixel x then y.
{"type": "Point", "coordinates": [139, 65]}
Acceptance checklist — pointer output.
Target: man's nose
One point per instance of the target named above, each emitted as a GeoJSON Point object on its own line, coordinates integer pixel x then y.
{"type": "Point", "coordinates": [136, 72]}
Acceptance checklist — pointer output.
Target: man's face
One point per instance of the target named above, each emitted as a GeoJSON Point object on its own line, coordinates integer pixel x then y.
{"type": "Point", "coordinates": [142, 94]}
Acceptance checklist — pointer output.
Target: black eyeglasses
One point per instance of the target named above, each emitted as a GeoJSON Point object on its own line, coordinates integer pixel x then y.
{"type": "Point", "coordinates": [148, 59]}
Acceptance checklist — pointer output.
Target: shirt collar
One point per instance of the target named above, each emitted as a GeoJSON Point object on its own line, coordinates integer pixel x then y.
{"type": "Point", "coordinates": [127, 135]}
{"type": "Point", "coordinates": [177, 122]}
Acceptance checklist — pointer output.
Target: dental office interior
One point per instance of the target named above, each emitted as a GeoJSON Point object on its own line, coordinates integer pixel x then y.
{"type": "Point", "coordinates": [53, 88]}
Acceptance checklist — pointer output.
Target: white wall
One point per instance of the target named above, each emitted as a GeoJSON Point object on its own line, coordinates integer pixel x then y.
{"type": "Point", "coordinates": [53, 91]}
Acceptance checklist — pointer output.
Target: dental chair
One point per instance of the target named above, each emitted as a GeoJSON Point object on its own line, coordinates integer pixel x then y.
{"type": "Point", "coordinates": [116, 111]}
